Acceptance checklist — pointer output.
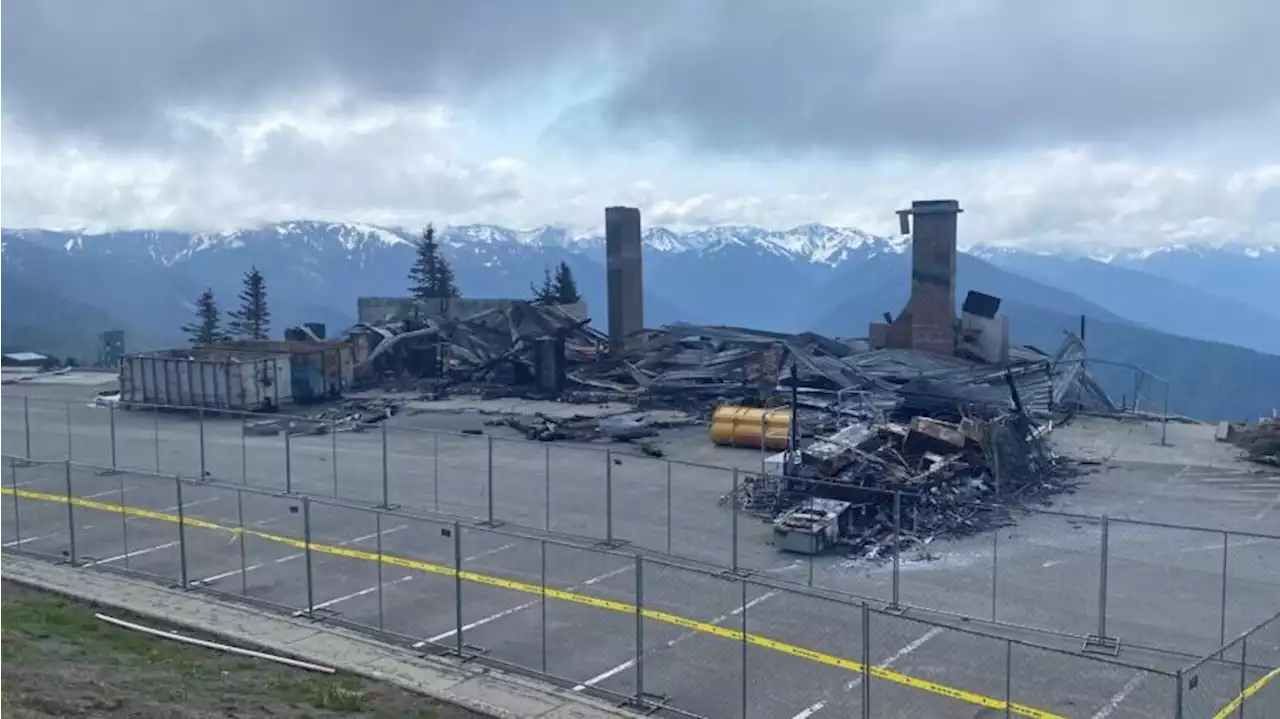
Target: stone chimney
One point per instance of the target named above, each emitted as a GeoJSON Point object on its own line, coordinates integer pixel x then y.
{"type": "Point", "coordinates": [928, 322]}
{"type": "Point", "coordinates": [625, 274]}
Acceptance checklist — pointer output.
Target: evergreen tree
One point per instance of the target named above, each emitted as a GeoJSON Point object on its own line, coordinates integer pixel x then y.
{"type": "Point", "coordinates": [207, 329]}
{"type": "Point", "coordinates": [431, 277]}
{"type": "Point", "coordinates": [546, 293]}
{"type": "Point", "coordinates": [565, 288]}
{"type": "Point", "coordinates": [253, 320]}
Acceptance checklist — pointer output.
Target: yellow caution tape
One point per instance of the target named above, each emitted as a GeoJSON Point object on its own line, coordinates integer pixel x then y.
{"type": "Point", "coordinates": [537, 589]}
{"type": "Point", "coordinates": [1252, 689]}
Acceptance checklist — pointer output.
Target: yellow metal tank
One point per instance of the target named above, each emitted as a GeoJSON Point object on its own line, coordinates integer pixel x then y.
{"type": "Point", "coordinates": [735, 426]}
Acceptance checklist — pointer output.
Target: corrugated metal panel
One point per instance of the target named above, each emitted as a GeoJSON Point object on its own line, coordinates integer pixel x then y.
{"type": "Point", "coordinates": [246, 384]}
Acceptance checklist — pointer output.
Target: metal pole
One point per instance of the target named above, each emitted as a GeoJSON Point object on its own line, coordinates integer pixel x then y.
{"type": "Point", "coordinates": [546, 489]}
{"type": "Point", "coordinates": [640, 630]}
{"type": "Point", "coordinates": [244, 565]}
{"type": "Point", "coordinates": [744, 647]}
{"type": "Point", "coordinates": [1177, 707]}
{"type": "Point", "coordinates": [1164, 424]}
{"type": "Point", "coordinates": [155, 427]}
{"type": "Point", "coordinates": [542, 556]}
{"type": "Point", "coordinates": [17, 517]}
{"type": "Point", "coordinates": [182, 532]}
{"type": "Point", "coordinates": [377, 527]}
{"type": "Point", "coordinates": [111, 412]}
{"type": "Point", "coordinates": [244, 454]}
{"type": "Point", "coordinates": [1008, 678]}
{"type": "Point", "coordinates": [288, 464]}
{"type": "Point", "coordinates": [734, 494]}
{"type": "Point", "coordinates": [203, 469]}
{"type": "Point", "coordinates": [1244, 651]}
{"type": "Point", "coordinates": [811, 570]}
{"type": "Point", "coordinates": [333, 451]}
{"type": "Point", "coordinates": [608, 496]}
{"type": "Point", "coordinates": [490, 490]}
{"type": "Point", "coordinates": [457, 585]}
{"type": "Point", "coordinates": [435, 470]}
{"type": "Point", "coordinates": [124, 522]}
{"type": "Point", "coordinates": [386, 498]}
{"type": "Point", "coordinates": [995, 469]}
{"type": "Point", "coordinates": [995, 569]}
{"type": "Point", "coordinates": [897, 546]}
{"type": "Point", "coordinates": [1102, 582]}
{"type": "Point", "coordinates": [26, 422]}
{"type": "Point", "coordinates": [70, 455]}
{"type": "Point", "coordinates": [71, 514]}
{"type": "Point", "coordinates": [306, 540]}
{"type": "Point", "coordinates": [668, 506]}
{"type": "Point", "coordinates": [1222, 607]}
{"type": "Point", "coordinates": [866, 661]}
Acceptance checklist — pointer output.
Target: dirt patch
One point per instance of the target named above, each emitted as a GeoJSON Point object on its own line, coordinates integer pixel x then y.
{"type": "Point", "coordinates": [59, 661]}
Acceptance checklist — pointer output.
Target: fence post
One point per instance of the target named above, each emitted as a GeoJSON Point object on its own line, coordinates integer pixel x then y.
{"type": "Point", "coordinates": [1102, 581]}
{"type": "Point", "coordinates": [1008, 678]}
{"type": "Point", "coordinates": [155, 429]}
{"type": "Point", "coordinates": [1244, 675]}
{"type": "Point", "coordinates": [306, 544]}
{"type": "Point", "coordinates": [333, 451]}
{"type": "Point", "coordinates": [377, 528]}
{"type": "Point", "coordinates": [244, 564]}
{"type": "Point", "coordinates": [71, 514]}
{"type": "Point", "coordinates": [995, 569]}
{"type": "Point", "coordinates": [608, 496]}
{"type": "Point", "coordinates": [111, 413]}
{"type": "Point", "coordinates": [1222, 607]}
{"type": "Point", "coordinates": [182, 532]}
{"type": "Point", "coordinates": [70, 455]}
{"type": "Point", "coordinates": [386, 499]}
{"type": "Point", "coordinates": [244, 453]}
{"type": "Point", "coordinates": [26, 422]}
{"type": "Point", "coordinates": [490, 490]}
{"type": "Point", "coordinates": [734, 494]}
{"type": "Point", "coordinates": [897, 547]}
{"type": "Point", "coordinates": [1177, 696]}
{"type": "Point", "coordinates": [866, 661]}
{"type": "Point", "coordinates": [743, 582]}
{"type": "Point", "coordinates": [546, 488]}
{"type": "Point", "coordinates": [203, 468]}
{"type": "Point", "coordinates": [124, 522]}
{"type": "Point", "coordinates": [457, 585]}
{"type": "Point", "coordinates": [668, 506]}
{"type": "Point", "coordinates": [640, 631]}
{"type": "Point", "coordinates": [435, 471]}
{"type": "Point", "coordinates": [542, 584]}
{"type": "Point", "coordinates": [1164, 423]}
{"type": "Point", "coordinates": [288, 463]}
{"type": "Point", "coordinates": [17, 517]}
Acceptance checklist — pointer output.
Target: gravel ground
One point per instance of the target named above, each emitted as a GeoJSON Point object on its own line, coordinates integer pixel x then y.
{"type": "Point", "coordinates": [59, 661]}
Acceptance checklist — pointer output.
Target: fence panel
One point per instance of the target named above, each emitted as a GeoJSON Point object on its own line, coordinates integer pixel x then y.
{"type": "Point", "coordinates": [463, 471]}
{"type": "Point", "coordinates": [576, 498]}
{"type": "Point", "coordinates": [40, 490]}
{"type": "Point", "coordinates": [419, 591]}
{"type": "Point", "coordinates": [101, 516]}
{"type": "Point", "coordinates": [92, 429]}
{"type": "Point", "coordinates": [50, 432]}
{"type": "Point", "coordinates": [311, 461]}
{"type": "Point", "coordinates": [149, 526]}
{"type": "Point", "coordinates": [1159, 578]}
{"type": "Point", "coordinates": [590, 620]}
{"type": "Point", "coordinates": [501, 597]}
{"type": "Point", "coordinates": [639, 496]}
{"type": "Point", "coordinates": [959, 576]}
{"type": "Point", "coordinates": [965, 672]}
{"type": "Point", "coordinates": [344, 560]}
{"type": "Point", "coordinates": [266, 456]}
{"type": "Point", "coordinates": [225, 454]}
{"type": "Point", "coordinates": [695, 669]}
{"type": "Point", "coordinates": [14, 413]}
{"type": "Point", "coordinates": [274, 553]}
{"type": "Point", "coordinates": [827, 679]}
{"type": "Point", "coordinates": [137, 439]}
{"type": "Point", "coordinates": [180, 451]}
{"type": "Point", "coordinates": [211, 517]}
{"type": "Point", "coordinates": [1048, 573]}
{"type": "Point", "coordinates": [519, 482]}
{"type": "Point", "coordinates": [1253, 582]}
{"type": "Point", "coordinates": [701, 527]}
{"type": "Point", "coordinates": [358, 457]}
{"type": "Point", "coordinates": [1071, 684]}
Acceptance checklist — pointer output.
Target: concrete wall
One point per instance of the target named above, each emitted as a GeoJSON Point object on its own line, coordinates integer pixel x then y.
{"type": "Point", "coordinates": [377, 310]}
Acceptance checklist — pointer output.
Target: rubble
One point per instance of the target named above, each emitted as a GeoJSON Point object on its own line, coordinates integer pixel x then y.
{"type": "Point", "coordinates": [1260, 440]}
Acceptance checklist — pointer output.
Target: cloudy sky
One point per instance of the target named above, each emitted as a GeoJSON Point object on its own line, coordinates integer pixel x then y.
{"type": "Point", "coordinates": [1111, 122]}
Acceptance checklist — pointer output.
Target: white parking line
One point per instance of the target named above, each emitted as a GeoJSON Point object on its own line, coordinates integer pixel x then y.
{"type": "Point", "coordinates": [672, 642]}
{"type": "Point", "coordinates": [18, 542]}
{"type": "Point", "coordinates": [102, 494]}
{"type": "Point", "coordinates": [526, 605]}
{"type": "Point", "coordinates": [853, 683]}
{"type": "Point", "coordinates": [130, 555]}
{"type": "Point", "coordinates": [353, 595]}
{"type": "Point", "coordinates": [290, 557]}
{"type": "Point", "coordinates": [1120, 696]}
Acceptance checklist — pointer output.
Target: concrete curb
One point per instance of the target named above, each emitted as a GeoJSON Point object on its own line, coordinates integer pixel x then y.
{"type": "Point", "coordinates": [487, 691]}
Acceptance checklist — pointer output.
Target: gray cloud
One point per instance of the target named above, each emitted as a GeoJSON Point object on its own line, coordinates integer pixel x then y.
{"type": "Point", "coordinates": [111, 69]}
{"type": "Point", "coordinates": [867, 77]}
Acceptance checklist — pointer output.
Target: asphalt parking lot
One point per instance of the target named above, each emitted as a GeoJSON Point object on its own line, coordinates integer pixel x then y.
{"type": "Point", "coordinates": [1046, 570]}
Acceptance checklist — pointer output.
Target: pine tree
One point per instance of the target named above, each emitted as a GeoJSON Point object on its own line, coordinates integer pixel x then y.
{"type": "Point", "coordinates": [544, 294]}
{"type": "Point", "coordinates": [431, 277]}
{"type": "Point", "coordinates": [253, 320]}
{"type": "Point", "coordinates": [207, 329]}
{"type": "Point", "coordinates": [565, 288]}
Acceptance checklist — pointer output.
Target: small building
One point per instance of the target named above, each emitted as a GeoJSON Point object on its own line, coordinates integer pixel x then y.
{"type": "Point", "coordinates": [24, 359]}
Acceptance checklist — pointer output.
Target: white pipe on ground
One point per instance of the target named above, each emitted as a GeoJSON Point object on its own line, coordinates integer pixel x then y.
{"type": "Point", "coordinates": [215, 645]}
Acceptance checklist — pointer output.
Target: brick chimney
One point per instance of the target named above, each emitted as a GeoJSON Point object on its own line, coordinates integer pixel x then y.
{"type": "Point", "coordinates": [928, 322]}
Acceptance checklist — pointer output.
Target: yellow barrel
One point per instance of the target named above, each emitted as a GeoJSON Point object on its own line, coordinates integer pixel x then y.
{"type": "Point", "coordinates": [748, 426]}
